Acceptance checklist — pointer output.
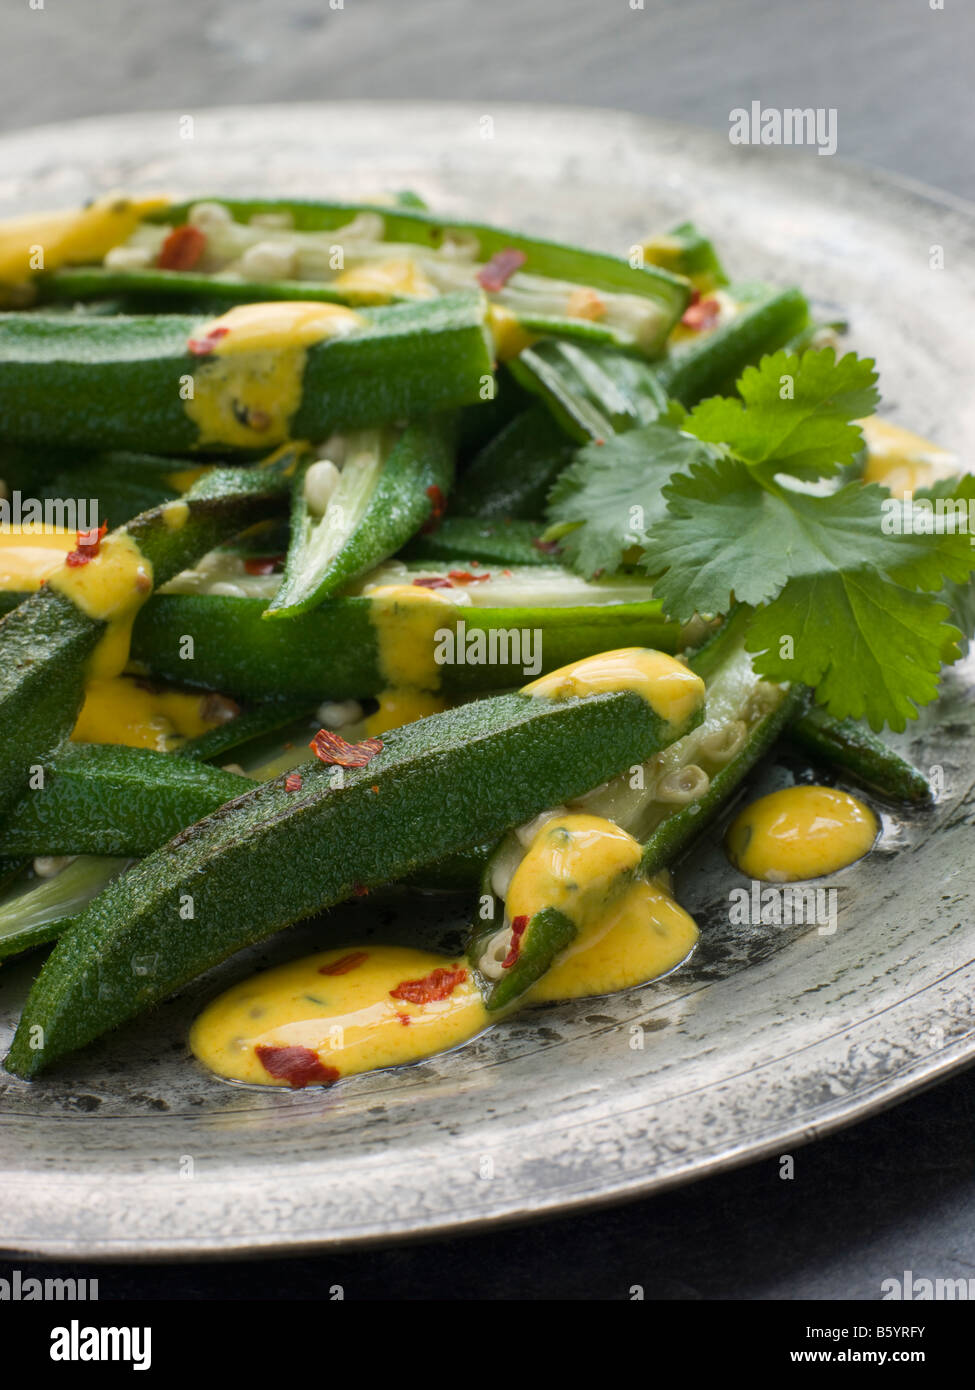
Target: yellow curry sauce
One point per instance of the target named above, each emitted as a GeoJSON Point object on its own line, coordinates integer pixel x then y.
{"type": "Point", "coordinates": [800, 832]}
{"type": "Point", "coordinates": [252, 361]}
{"type": "Point", "coordinates": [669, 687]}
{"type": "Point", "coordinates": [362, 1009]}
{"type": "Point", "coordinates": [901, 460]}
{"type": "Point", "coordinates": [29, 556]}
{"type": "Point", "coordinates": [111, 586]}
{"type": "Point", "coordinates": [78, 236]}
{"type": "Point", "coordinates": [405, 619]}
{"type": "Point", "coordinates": [133, 712]}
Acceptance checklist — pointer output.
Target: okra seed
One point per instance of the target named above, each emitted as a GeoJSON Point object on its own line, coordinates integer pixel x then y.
{"type": "Point", "coordinates": [321, 480]}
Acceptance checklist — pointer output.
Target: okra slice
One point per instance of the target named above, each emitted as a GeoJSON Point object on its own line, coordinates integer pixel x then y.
{"type": "Point", "coordinates": [35, 911]}
{"type": "Point", "coordinates": [663, 805]}
{"type": "Point", "coordinates": [377, 253]}
{"type": "Point", "coordinates": [358, 504]}
{"type": "Point", "coordinates": [299, 843]}
{"type": "Point", "coordinates": [591, 391]}
{"type": "Point", "coordinates": [849, 745]}
{"type": "Point", "coordinates": [595, 391]}
{"type": "Point", "coordinates": [412, 625]}
{"type": "Point", "coordinates": [110, 799]}
{"type": "Point", "coordinates": [255, 377]}
{"type": "Point", "coordinates": [78, 625]}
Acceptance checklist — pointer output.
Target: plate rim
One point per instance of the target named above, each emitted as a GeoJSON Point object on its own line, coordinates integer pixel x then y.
{"type": "Point", "coordinates": [954, 1058]}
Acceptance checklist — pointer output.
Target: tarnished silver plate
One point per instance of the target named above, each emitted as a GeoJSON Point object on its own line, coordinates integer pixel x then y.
{"type": "Point", "coordinates": [772, 1035]}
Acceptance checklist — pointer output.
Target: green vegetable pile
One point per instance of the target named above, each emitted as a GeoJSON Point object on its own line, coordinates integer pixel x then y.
{"type": "Point", "coordinates": [599, 451]}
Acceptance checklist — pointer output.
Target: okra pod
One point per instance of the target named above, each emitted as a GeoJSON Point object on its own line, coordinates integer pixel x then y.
{"type": "Point", "coordinates": [110, 799]}
{"type": "Point", "coordinates": [369, 253]}
{"type": "Point", "coordinates": [266, 717]}
{"type": "Point", "coordinates": [529, 620]}
{"type": "Point", "coordinates": [172, 384]}
{"type": "Point", "coordinates": [78, 624]}
{"type": "Point", "coordinates": [591, 391]}
{"type": "Point", "coordinates": [685, 250]}
{"type": "Point", "coordinates": [512, 474]}
{"type": "Point", "coordinates": [38, 913]}
{"type": "Point", "coordinates": [464, 540]}
{"type": "Point", "coordinates": [709, 363]}
{"type": "Point", "coordinates": [360, 505]}
{"type": "Point", "coordinates": [848, 744]}
{"type": "Point", "coordinates": [295, 845]}
{"type": "Point", "coordinates": [674, 798]}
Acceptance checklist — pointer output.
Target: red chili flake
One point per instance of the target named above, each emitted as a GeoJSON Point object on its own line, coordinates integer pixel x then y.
{"type": "Point", "coordinates": [267, 565]}
{"type": "Point", "coordinates": [375, 790]}
{"type": "Point", "coordinates": [292, 783]}
{"type": "Point", "coordinates": [299, 1066]}
{"type": "Point", "coordinates": [404, 1019]}
{"type": "Point", "coordinates": [465, 577]}
{"type": "Point", "coordinates": [439, 984]}
{"type": "Point", "coordinates": [438, 504]}
{"type": "Point", "coordinates": [499, 269]}
{"type": "Point", "coordinates": [334, 749]}
{"type": "Point", "coordinates": [546, 547]}
{"type": "Point", "coordinates": [360, 890]}
{"type": "Point", "coordinates": [89, 544]}
{"type": "Point", "coordinates": [703, 314]}
{"type": "Point", "coordinates": [432, 581]}
{"type": "Point", "coordinates": [506, 573]}
{"type": "Point", "coordinates": [182, 249]}
{"type": "Point", "coordinates": [199, 347]}
{"type": "Point", "coordinates": [514, 950]}
{"type": "Point", "coordinates": [344, 964]}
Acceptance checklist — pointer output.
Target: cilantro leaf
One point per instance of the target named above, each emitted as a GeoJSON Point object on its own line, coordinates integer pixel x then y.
{"type": "Point", "coordinates": [807, 432]}
{"type": "Point", "coordinates": [724, 536]}
{"type": "Point", "coordinates": [844, 596]}
{"type": "Point", "coordinates": [610, 496]}
{"type": "Point", "coordinates": [870, 648]}
{"type": "Point", "coordinates": [960, 599]}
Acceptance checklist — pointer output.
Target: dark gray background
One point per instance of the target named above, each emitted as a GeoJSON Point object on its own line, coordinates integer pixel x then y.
{"type": "Point", "coordinates": [898, 1192]}
{"type": "Point", "coordinates": [898, 72]}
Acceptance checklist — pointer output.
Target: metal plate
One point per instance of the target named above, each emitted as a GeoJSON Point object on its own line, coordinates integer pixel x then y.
{"type": "Point", "coordinates": [771, 1036]}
